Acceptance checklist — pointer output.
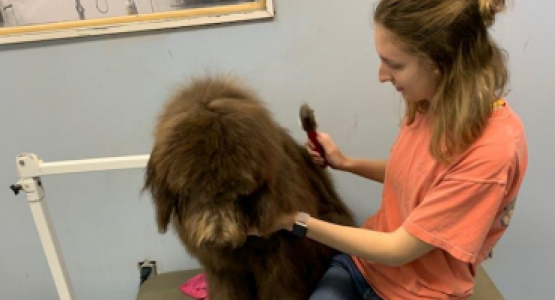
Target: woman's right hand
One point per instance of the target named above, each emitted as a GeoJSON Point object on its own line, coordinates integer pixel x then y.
{"type": "Point", "coordinates": [333, 154]}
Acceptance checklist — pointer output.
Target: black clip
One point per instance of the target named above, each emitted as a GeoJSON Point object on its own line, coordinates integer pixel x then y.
{"type": "Point", "coordinates": [16, 188]}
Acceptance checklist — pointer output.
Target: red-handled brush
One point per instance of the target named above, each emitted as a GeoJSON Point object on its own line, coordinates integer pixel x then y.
{"type": "Point", "coordinates": [308, 122]}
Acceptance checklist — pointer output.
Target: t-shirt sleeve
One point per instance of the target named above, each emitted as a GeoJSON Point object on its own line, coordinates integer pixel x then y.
{"type": "Point", "coordinates": [457, 213]}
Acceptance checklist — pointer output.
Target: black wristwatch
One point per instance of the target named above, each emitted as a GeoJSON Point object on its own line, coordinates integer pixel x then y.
{"type": "Point", "coordinates": [299, 228]}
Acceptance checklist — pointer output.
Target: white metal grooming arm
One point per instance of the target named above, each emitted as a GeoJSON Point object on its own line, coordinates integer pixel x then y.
{"type": "Point", "coordinates": [30, 168]}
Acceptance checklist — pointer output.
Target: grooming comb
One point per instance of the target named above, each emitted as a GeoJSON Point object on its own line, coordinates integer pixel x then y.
{"type": "Point", "coordinates": [308, 122]}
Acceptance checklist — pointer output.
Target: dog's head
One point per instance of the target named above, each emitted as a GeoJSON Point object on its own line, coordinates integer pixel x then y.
{"type": "Point", "coordinates": [215, 158]}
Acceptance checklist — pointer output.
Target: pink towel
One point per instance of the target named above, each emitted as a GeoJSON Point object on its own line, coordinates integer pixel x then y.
{"type": "Point", "coordinates": [196, 287]}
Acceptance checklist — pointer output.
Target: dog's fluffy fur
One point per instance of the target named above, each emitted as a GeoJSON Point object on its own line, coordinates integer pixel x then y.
{"type": "Point", "coordinates": [220, 165]}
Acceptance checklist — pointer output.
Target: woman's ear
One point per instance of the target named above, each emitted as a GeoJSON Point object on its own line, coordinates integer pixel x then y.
{"type": "Point", "coordinates": [437, 72]}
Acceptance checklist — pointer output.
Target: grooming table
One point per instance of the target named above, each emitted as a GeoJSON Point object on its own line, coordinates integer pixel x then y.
{"type": "Point", "coordinates": [166, 286]}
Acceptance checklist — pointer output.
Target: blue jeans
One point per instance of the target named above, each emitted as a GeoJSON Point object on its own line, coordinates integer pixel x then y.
{"type": "Point", "coordinates": [343, 281]}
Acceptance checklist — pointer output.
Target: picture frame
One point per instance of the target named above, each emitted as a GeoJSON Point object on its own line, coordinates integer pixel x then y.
{"type": "Point", "coordinates": [134, 21]}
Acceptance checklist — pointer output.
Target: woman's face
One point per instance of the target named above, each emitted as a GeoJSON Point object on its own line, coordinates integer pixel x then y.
{"type": "Point", "coordinates": [413, 78]}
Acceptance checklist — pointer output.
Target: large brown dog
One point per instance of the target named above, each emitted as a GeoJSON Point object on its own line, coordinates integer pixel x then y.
{"type": "Point", "coordinates": [220, 165]}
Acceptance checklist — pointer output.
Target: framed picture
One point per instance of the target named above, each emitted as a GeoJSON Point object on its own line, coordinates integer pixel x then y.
{"type": "Point", "coordinates": [36, 20]}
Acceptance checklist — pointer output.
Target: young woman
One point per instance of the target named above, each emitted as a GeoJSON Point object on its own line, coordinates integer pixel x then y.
{"type": "Point", "coordinates": [454, 172]}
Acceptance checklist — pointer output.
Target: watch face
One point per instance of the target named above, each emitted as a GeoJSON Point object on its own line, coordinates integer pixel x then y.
{"type": "Point", "coordinates": [299, 230]}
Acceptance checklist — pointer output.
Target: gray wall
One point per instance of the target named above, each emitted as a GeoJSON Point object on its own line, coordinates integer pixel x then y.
{"type": "Point", "coordinates": [97, 97]}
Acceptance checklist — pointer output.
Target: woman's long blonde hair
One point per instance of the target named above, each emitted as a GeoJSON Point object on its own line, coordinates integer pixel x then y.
{"type": "Point", "coordinates": [451, 35]}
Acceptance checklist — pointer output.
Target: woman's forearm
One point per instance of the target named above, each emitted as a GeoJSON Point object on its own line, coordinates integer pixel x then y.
{"type": "Point", "coordinates": [377, 246]}
{"type": "Point", "coordinates": [371, 169]}
{"type": "Point", "coordinates": [388, 248]}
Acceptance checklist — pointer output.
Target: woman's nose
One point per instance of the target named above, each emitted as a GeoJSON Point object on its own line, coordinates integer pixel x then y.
{"type": "Point", "coordinates": [383, 75]}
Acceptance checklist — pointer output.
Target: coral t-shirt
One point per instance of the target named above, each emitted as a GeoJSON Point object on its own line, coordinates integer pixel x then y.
{"type": "Point", "coordinates": [463, 209]}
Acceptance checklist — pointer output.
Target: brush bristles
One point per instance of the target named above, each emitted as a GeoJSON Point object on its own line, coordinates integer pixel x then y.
{"type": "Point", "coordinates": [308, 121]}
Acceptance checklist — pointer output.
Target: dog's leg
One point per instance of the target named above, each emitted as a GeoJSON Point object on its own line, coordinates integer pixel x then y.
{"type": "Point", "coordinates": [282, 280]}
{"type": "Point", "coordinates": [293, 272]}
{"type": "Point", "coordinates": [230, 285]}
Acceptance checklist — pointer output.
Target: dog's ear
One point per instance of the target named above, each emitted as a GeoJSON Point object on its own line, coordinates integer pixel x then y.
{"type": "Point", "coordinates": [163, 199]}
